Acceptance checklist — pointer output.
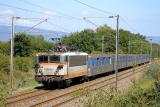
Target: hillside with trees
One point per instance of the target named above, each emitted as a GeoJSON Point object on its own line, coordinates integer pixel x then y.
{"type": "Point", "coordinates": [90, 41]}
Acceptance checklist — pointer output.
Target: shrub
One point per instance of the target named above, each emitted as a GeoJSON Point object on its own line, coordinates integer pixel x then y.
{"type": "Point", "coordinates": [154, 72]}
{"type": "Point", "coordinates": [4, 63]}
{"type": "Point", "coordinates": [20, 63]}
{"type": "Point", "coordinates": [23, 63]}
{"type": "Point", "coordinates": [144, 93]}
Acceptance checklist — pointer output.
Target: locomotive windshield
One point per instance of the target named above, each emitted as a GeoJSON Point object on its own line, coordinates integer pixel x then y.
{"type": "Point", "coordinates": [54, 59]}
{"type": "Point", "coordinates": [46, 59]}
{"type": "Point", "coordinates": [42, 59]}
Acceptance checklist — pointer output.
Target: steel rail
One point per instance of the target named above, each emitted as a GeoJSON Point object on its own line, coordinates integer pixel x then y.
{"type": "Point", "coordinates": [76, 90]}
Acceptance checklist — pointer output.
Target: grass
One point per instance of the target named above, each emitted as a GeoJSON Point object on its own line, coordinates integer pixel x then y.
{"type": "Point", "coordinates": [21, 80]}
{"type": "Point", "coordinates": [144, 93]}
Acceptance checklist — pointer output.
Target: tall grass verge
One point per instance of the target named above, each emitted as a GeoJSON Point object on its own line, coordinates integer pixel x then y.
{"type": "Point", "coordinates": [144, 93]}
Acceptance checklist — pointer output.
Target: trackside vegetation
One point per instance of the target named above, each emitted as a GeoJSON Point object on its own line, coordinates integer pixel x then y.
{"type": "Point", "coordinates": [87, 40]}
{"type": "Point", "coordinates": [24, 51]}
{"type": "Point", "coordinates": [144, 93]}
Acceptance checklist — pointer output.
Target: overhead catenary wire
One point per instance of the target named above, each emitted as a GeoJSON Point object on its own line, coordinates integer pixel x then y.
{"type": "Point", "coordinates": [95, 8]}
{"type": "Point", "coordinates": [39, 6]}
{"type": "Point", "coordinates": [35, 25]}
{"type": "Point", "coordinates": [89, 21]}
{"type": "Point", "coordinates": [48, 21]}
{"type": "Point", "coordinates": [37, 12]}
{"type": "Point", "coordinates": [124, 20]}
{"type": "Point", "coordinates": [58, 26]}
{"type": "Point", "coordinates": [106, 12]}
{"type": "Point", "coordinates": [19, 8]}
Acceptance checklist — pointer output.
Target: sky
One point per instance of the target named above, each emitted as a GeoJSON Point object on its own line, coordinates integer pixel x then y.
{"type": "Point", "coordinates": [137, 16]}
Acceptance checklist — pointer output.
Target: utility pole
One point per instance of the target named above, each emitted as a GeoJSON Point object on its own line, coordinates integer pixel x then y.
{"type": "Point", "coordinates": [151, 50]}
{"type": "Point", "coordinates": [117, 50]}
{"type": "Point", "coordinates": [116, 59]}
{"type": "Point", "coordinates": [102, 44]}
{"type": "Point", "coordinates": [141, 46]}
{"type": "Point", "coordinates": [12, 46]}
{"type": "Point", "coordinates": [12, 51]}
{"type": "Point", "coordinates": [129, 47]}
{"type": "Point", "coordinates": [157, 52]}
{"type": "Point", "coordinates": [117, 37]}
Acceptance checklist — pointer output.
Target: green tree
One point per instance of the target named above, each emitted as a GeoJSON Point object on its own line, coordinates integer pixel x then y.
{"type": "Point", "coordinates": [22, 46]}
{"type": "Point", "coordinates": [85, 40]}
{"type": "Point", "coordinates": [109, 36]}
{"type": "Point", "coordinates": [38, 44]}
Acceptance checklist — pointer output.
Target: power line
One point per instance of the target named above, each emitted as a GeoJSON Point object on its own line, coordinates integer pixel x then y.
{"type": "Point", "coordinates": [11, 6]}
{"type": "Point", "coordinates": [128, 24]}
{"type": "Point", "coordinates": [58, 26]}
{"type": "Point", "coordinates": [36, 25]}
{"type": "Point", "coordinates": [103, 11]}
{"type": "Point", "coordinates": [95, 8]}
{"type": "Point", "coordinates": [89, 21]}
{"type": "Point", "coordinates": [29, 10]}
{"type": "Point", "coordinates": [39, 6]}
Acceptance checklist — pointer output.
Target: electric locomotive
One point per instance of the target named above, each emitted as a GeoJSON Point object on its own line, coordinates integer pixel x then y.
{"type": "Point", "coordinates": [60, 67]}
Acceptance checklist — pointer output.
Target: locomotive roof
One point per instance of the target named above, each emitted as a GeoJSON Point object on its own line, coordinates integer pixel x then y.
{"type": "Point", "coordinates": [61, 53]}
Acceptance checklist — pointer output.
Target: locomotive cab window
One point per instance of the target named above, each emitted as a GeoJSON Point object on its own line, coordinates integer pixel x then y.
{"type": "Point", "coordinates": [43, 59]}
{"type": "Point", "coordinates": [54, 58]}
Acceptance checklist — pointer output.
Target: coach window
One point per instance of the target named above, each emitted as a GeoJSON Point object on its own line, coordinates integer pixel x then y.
{"type": "Point", "coordinates": [107, 60]}
{"type": "Point", "coordinates": [93, 63]}
{"type": "Point", "coordinates": [103, 60]}
{"type": "Point", "coordinates": [98, 62]}
{"type": "Point", "coordinates": [110, 60]}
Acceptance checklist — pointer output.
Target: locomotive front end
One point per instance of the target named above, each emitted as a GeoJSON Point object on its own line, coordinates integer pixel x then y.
{"type": "Point", "coordinates": [50, 68]}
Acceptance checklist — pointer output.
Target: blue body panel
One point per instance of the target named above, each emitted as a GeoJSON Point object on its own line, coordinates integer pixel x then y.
{"type": "Point", "coordinates": [102, 64]}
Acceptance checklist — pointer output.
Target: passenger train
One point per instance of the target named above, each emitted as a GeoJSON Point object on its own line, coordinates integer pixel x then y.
{"type": "Point", "coordinates": [63, 67]}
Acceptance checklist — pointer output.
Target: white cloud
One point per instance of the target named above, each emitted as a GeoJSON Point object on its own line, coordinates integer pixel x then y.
{"type": "Point", "coordinates": [84, 12]}
{"type": "Point", "coordinates": [24, 22]}
{"type": "Point", "coordinates": [7, 13]}
{"type": "Point", "coordinates": [47, 14]}
{"type": "Point", "coordinates": [51, 13]}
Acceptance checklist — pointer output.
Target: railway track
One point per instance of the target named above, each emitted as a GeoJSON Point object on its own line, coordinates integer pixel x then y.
{"type": "Point", "coordinates": [76, 97]}
{"type": "Point", "coordinates": [26, 95]}
{"type": "Point", "coordinates": [54, 100]}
